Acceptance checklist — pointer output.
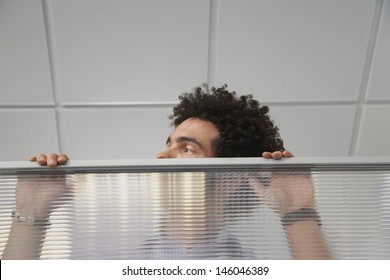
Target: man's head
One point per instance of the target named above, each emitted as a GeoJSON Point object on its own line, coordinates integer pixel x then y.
{"type": "Point", "coordinates": [218, 123]}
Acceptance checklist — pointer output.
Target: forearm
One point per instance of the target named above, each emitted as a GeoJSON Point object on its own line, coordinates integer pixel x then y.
{"type": "Point", "coordinates": [24, 241]}
{"type": "Point", "coordinates": [306, 241]}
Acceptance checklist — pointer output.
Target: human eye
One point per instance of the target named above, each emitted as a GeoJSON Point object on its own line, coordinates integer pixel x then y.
{"type": "Point", "coordinates": [188, 150]}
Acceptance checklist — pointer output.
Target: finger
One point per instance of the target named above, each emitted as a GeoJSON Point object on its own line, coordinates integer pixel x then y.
{"type": "Point", "coordinates": [52, 160]}
{"type": "Point", "coordinates": [287, 153]}
{"type": "Point", "coordinates": [32, 158]}
{"type": "Point", "coordinates": [267, 155]}
{"type": "Point", "coordinates": [277, 155]}
{"type": "Point", "coordinates": [254, 183]}
{"type": "Point", "coordinates": [258, 187]}
{"type": "Point", "coordinates": [62, 158]}
{"type": "Point", "coordinates": [42, 159]}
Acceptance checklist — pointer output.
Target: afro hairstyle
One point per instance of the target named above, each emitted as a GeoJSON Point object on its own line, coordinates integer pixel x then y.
{"type": "Point", "coordinates": [245, 127]}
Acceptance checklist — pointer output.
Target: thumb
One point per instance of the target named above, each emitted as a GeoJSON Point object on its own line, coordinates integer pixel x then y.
{"type": "Point", "coordinates": [259, 186]}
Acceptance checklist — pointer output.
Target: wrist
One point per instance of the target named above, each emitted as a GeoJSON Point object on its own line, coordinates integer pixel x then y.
{"type": "Point", "coordinates": [302, 214]}
{"type": "Point", "coordinates": [30, 220]}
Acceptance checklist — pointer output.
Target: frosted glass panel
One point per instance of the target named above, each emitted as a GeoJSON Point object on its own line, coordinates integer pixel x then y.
{"type": "Point", "coordinates": [205, 209]}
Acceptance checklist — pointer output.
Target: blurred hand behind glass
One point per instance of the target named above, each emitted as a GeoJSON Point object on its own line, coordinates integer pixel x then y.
{"type": "Point", "coordinates": [36, 194]}
{"type": "Point", "coordinates": [286, 191]}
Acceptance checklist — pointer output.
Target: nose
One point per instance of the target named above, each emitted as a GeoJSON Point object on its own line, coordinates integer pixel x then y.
{"type": "Point", "coordinates": [164, 154]}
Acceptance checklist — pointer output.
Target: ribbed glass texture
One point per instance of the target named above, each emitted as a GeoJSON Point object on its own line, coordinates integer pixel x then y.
{"type": "Point", "coordinates": [199, 214]}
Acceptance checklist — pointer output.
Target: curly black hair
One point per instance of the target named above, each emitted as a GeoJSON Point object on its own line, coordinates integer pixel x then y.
{"type": "Point", "coordinates": [245, 127]}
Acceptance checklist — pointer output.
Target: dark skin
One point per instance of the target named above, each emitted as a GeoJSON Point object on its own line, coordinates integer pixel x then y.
{"type": "Point", "coordinates": [193, 138]}
{"type": "Point", "coordinates": [218, 123]}
{"type": "Point", "coordinates": [52, 160]}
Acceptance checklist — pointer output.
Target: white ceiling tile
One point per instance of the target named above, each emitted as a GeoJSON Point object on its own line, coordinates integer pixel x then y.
{"type": "Point", "coordinates": [379, 84]}
{"type": "Point", "coordinates": [115, 133]}
{"type": "Point", "coordinates": [294, 50]}
{"type": "Point", "coordinates": [24, 60]}
{"type": "Point", "coordinates": [27, 132]}
{"type": "Point", "coordinates": [374, 137]}
{"type": "Point", "coordinates": [129, 51]}
{"type": "Point", "coordinates": [315, 130]}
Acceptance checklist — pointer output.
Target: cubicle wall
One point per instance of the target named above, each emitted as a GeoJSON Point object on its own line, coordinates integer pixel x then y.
{"type": "Point", "coordinates": [194, 209]}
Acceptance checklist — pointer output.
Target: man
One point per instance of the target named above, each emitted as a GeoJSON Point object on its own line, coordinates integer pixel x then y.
{"type": "Point", "coordinates": [218, 123]}
{"type": "Point", "coordinates": [226, 125]}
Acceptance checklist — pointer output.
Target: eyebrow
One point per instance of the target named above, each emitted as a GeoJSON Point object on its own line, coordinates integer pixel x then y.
{"type": "Point", "coordinates": [185, 139]}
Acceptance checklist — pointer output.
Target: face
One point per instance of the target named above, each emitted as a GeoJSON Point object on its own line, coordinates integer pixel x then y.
{"type": "Point", "coordinates": [193, 138]}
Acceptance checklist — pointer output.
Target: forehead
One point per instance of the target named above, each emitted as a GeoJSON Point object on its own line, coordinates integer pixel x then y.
{"type": "Point", "coordinates": [197, 127]}
{"type": "Point", "coordinates": [203, 131]}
